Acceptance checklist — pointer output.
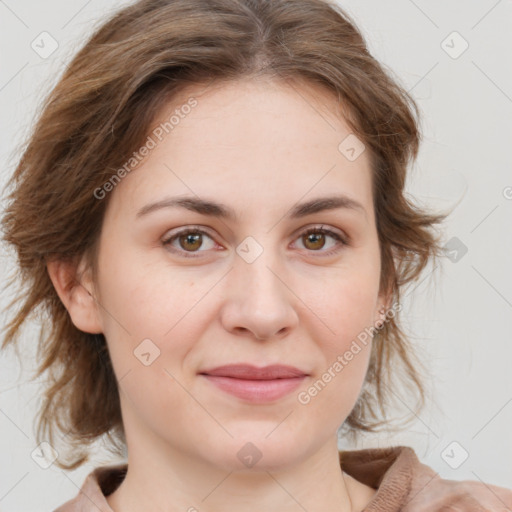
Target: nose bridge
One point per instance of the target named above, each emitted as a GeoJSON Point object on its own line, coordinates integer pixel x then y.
{"type": "Point", "coordinates": [259, 300]}
{"type": "Point", "coordinates": [256, 264]}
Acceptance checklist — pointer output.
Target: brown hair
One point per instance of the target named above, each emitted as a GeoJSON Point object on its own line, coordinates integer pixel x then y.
{"type": "Point", "coordinates": [101, 111]}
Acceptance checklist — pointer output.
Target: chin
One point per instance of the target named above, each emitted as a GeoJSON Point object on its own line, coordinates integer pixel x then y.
{"type": "Point", "coordinates": [252, 448]}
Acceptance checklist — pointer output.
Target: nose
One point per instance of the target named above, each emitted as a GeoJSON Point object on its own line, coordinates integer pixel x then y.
{"type": "Point", "coordinates": [259, 303]}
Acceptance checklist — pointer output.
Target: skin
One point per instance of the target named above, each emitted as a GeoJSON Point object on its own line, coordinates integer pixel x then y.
{"type": "Point", "coordinates": [259, 147]}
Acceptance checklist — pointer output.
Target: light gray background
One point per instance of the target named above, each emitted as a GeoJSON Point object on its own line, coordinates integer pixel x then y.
{"type": "Point", "coordinates": [460, 315]}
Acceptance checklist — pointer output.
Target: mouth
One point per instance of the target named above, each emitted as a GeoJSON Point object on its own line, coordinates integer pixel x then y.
{"type": "Point", "coordinates": [253, 384]}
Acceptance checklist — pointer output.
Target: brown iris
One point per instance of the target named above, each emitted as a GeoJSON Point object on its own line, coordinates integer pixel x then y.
{"type": "Point", "coordinates": [195, 239]}
{"type": "Point", "coordinates": [317, 239]}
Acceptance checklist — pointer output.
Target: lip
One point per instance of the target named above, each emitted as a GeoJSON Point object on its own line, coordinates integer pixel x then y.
{"type": "Point", "coordinates": [249, 371]}
{"type": "Point", "coordinates": [256, 384]}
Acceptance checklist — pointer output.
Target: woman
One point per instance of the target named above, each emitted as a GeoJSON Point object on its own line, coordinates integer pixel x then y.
{"type": "Point", "coordinates": [211, 211]}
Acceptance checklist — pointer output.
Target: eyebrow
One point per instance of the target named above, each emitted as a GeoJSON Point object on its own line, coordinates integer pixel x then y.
{"type": "Point", "coordinates": [214, 209]}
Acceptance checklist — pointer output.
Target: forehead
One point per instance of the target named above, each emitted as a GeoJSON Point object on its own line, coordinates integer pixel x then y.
{"type": "Point", "coordinates": [260, 139]}
{"type": "Point", "coordinates": [260, 110]}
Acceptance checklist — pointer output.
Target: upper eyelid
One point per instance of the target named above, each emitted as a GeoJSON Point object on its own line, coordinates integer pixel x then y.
{"type": "Point", "coordinates": [345, 239]}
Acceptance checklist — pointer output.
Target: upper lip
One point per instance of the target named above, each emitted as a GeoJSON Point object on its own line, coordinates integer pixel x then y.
{"type": "Point", "coordinates": [248, 371]}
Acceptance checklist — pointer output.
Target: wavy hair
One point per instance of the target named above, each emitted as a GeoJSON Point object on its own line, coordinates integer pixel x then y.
{"type": "Point", "coordinates": [102, 109]}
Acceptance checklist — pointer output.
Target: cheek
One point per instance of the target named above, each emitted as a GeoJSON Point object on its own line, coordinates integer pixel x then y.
{"type": "Point", "coordinates": [348, 312]}
{"type": "Point", "coordinates": [146, 299]}
{"type": "Point", "coordinates": [143, 302]}
{"type": "Point", "coordinates": [346, 307]}
{"type": "Point", "coordinates": [345, 304]}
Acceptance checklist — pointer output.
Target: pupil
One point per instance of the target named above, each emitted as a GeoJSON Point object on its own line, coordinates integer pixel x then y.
{"type": "Point", "coordinates": [192, 238]}
{"type": "Point", "coordinates": [314, 238]}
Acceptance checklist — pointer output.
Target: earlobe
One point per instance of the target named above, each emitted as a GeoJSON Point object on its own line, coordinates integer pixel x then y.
{"type": "Point", "coordinates": [380, 316]}
{"type": "Point", "coordinates": [77, 296]}
{"type": "Point", "coordinates": [383, 306]}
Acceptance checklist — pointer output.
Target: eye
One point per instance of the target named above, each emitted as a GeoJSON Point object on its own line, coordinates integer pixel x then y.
{"type": "Point", "coordinates": [314, 239]}
{"type": "Point", "coordinates": [191, 239]}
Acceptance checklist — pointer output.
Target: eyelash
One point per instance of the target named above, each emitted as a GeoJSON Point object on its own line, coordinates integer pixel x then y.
{"type": "Point", "coordinates": [196, 230]}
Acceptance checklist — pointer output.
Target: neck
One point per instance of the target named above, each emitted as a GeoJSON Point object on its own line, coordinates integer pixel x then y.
{"type": "Point", "coordinates": [165, 479]}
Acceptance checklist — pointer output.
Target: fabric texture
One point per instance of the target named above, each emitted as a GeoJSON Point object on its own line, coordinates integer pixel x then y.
{"type": "Point", "coordinates": [402, 482]}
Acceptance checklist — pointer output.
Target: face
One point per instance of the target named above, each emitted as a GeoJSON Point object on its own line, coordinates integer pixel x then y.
{"type": "Point", "coordinates": [251, 287]}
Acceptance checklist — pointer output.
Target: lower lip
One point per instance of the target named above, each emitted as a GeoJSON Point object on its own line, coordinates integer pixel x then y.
{"type": "Point", "coordinates": [259, 391]}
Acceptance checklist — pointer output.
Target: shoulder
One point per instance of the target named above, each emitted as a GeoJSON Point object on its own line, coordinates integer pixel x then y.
{"type": "Point", "coordinates": [430, 492]}
{"type": "Point", "coordinates": [98, 484]}
{"type": "Point", "coordinates": [403, 482]}
{"type": "Point", "coordinates": [438, 493]}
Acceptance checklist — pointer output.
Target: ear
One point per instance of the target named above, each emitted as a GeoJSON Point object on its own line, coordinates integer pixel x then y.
{"type": "Point", "coordinates": [75, 290]}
